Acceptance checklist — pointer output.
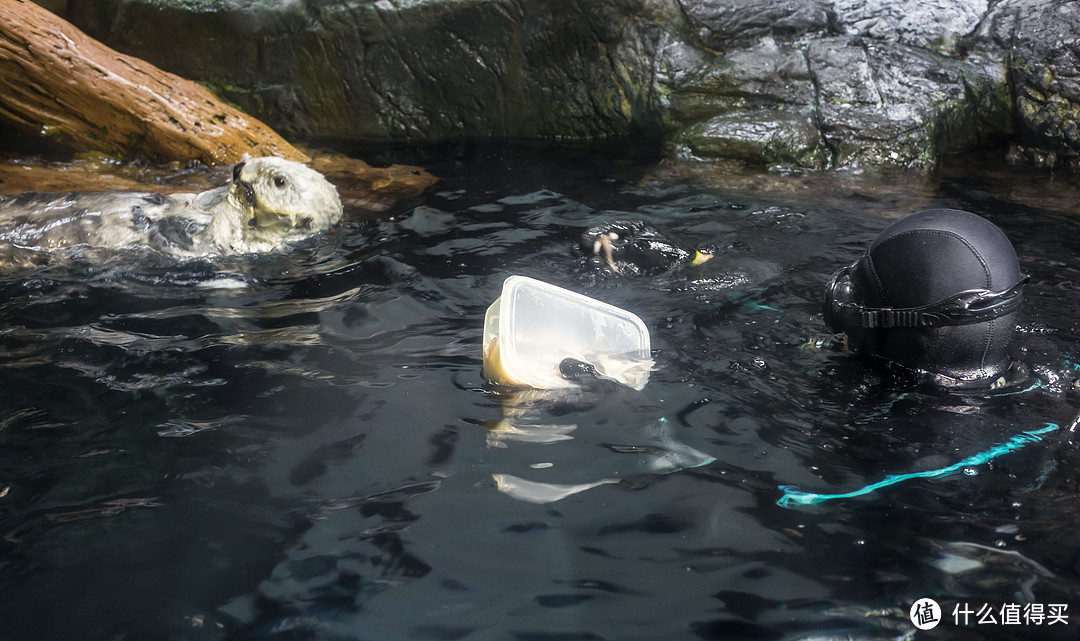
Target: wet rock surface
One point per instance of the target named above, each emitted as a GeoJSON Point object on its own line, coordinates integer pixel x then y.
{"type": "Point", "coordinates": [931, 24]}
{"type": "Point", "coordinates": [407, 70]}
{"type": "Point", "coordinates": [1042, 43]}
{"type": "Point", "coordinates": [797, 83]}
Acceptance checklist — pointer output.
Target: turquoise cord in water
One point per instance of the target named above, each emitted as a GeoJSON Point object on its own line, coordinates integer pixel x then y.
{"type": "Point", "coordinates": [793, 497]}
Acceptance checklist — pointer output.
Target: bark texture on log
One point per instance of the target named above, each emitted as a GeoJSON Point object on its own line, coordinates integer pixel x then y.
{"type": "Point", "coordinates": [59, 82]}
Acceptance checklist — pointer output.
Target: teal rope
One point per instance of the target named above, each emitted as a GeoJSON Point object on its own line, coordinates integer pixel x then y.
{"type": "Point", "coordinates": [793, 497]}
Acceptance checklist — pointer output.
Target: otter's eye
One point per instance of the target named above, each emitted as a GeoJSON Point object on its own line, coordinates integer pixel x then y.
{"type": "Point", "coordinates": [279, 181]}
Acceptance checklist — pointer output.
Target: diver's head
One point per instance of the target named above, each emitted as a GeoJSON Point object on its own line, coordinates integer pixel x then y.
{"type": "Point", "coordinates": [937, 291]}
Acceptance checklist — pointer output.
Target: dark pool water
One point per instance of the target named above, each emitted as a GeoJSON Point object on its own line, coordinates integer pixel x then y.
{"type": "Point", "coordinates": [302, 446]}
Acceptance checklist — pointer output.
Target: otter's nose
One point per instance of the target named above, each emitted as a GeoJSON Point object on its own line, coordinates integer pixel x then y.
{"type": "Point", "coordinates": [244, 190]}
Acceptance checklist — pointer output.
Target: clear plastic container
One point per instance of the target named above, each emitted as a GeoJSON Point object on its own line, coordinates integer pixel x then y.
{"type": "Point", "coordinates": [534, 326]}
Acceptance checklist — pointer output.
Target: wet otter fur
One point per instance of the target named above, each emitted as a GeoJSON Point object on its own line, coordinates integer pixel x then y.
{"type": "Point", "coordinates": [268, 203]}
{"type": "Point", "coordinates": [636, 248]}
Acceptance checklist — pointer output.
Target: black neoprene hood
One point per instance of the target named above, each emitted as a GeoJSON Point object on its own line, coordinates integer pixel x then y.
{"type": "Point", "coordinates": [937, 291]}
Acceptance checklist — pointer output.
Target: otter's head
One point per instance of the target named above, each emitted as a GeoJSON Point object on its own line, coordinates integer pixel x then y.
{"type": "Point", "coordinates": [282, 199]}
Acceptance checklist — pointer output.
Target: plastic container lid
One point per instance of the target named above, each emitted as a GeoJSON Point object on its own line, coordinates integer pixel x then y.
{"type": "Point", "coordinates": [533, 326]}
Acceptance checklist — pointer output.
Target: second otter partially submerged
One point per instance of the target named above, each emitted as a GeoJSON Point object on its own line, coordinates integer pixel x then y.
{"type": "Point", "coordinates": [269, 202]}
{"type": "Point", "coordinates": [634, 247]}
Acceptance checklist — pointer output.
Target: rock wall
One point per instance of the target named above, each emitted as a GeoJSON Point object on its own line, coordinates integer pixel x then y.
{"type": "Point", "coordinates": [406, 69]}
{"type": "Point", "coordinates": [1041, 44]}
{"type": "Point", "coordinates": [841, 84]}
{"type": "Point", "coordinates": [804, 83]}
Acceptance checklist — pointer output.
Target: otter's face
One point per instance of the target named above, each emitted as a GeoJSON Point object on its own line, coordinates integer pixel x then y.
{"type": "Point", "coordinates": [282, 198]}
{"type": "Point", "coordinates": [635, 247]}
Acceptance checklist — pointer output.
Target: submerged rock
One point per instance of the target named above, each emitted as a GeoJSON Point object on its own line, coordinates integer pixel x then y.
{"type": "Point", "coordinates": [796, 83]}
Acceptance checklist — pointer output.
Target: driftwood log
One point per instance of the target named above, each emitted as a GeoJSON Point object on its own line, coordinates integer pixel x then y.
{"type": "Point", "coordinates": [60, 83]}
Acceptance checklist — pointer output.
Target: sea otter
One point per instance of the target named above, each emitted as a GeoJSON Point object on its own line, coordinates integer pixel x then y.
{"type": "Point", "coordinates": [634, 247]}
{"type": "Point", "coordinates": [268, 202]}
